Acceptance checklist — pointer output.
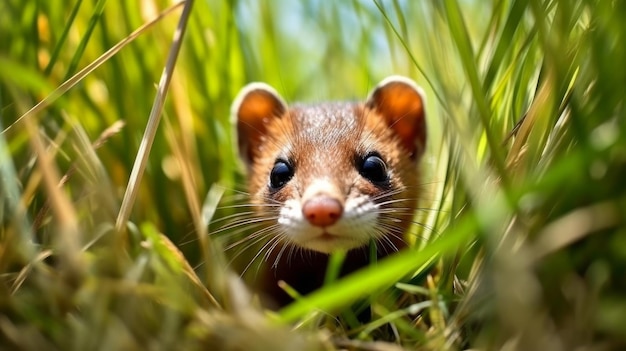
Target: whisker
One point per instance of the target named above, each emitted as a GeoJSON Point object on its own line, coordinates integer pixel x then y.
{"type": "Point", "coordinates": [239, 253]}
{"type": "Point", "coordinates": [200, 264]}
{"type": "Point", "coordinates": [247, 221]}
{"type": "Point", "coordinates": [385, 239]}
{"type": "Point", "coordinates": [237, 206]}
{"type": "Point", "coordinates": [189, 233]}
{"type": "Point", "coordinates": [245, 248]}
{"type": "Point", "coordinates": [395, 201]}
{"type": "Point", "coordinates": [250, 230]}
{"type": "Point", "coordinates": [280, 254]}
{"type": "Point", "coordinates": [254, 258]}
{"type": "Point", "coordinates": [403, 199]}
{"type": "Point", "coordinates": [398, 210]}
{"type": "Point", "coordinates": [427, 227]}
{"type": "Point", "coordinates": [254, 237]}
{"type": "Point", "coordinates": [392, 231]}
{"type": "Point", "coordinates": [270, 201]}
{"type": "Point", "coordinates": [231, 216]}
{"type": "Point", "coordinates": [387, 194]}
{"type": "Point", "coordinates": [304, 254]}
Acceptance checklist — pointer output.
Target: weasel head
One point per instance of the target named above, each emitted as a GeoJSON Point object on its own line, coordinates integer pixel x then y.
{"type": "Point", "coordinates": [334, 175]}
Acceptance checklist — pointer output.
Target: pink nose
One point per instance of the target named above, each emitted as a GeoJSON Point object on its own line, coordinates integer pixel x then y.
{"type": "Point", "coordinates": [322, 211]}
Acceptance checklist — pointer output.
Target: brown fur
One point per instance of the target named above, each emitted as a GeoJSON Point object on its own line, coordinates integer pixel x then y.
{"type": "Point", "coordinates": [325, 141]}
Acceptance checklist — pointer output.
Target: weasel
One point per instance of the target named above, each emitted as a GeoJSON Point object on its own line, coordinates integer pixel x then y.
{"type": "Point", "coordinates": [329, 176]}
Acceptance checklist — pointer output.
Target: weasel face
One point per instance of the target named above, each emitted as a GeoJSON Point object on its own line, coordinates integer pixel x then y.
{"type": "Point", "coordinates": [320, 221]}
{"type": "Point", "coordinates": [334, 176]}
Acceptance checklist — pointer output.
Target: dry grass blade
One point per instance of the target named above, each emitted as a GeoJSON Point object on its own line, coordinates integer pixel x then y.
{"type": "Point", "coordinates": [573, 227]}
{"type": "Point", "coordinates": [64, 212]}
{"type": "Point", "coordinates": [106, 134]}
{"type": "Point", "coordinates": [23, 274]}
{"type": "Point", "coordinates": [153, 121]}
{"type": "Point", "coordinates": [189, 272]}
{"type": "Point", "coordinates": [200, 227]}
{"type": "Point", "coordinates": [75, 79]}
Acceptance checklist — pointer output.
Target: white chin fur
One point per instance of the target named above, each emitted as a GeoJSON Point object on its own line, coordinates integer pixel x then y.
{"type": "Point", "coordinates": [330, 245]}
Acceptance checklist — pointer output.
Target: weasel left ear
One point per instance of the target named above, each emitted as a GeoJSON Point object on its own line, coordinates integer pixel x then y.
{"type": "Point", "coordinates": [400, 101]}
{"type": "Point", "coordinates": [253, 108]}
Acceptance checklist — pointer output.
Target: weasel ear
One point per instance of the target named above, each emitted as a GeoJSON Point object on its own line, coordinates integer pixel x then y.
{"type": "Point", "coordinates": [400, 101]}
{"type": "Point", "coordinates": [255, 105]}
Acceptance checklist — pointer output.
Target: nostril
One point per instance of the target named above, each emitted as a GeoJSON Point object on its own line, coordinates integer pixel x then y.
{"type": "Point", "coordinates": [322, 211]}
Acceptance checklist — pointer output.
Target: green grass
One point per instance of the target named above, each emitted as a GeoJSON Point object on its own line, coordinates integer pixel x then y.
{"type": "Point", "coordinates": [522, 239]}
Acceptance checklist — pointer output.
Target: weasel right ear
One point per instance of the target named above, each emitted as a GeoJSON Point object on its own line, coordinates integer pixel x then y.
{"type": "Point", "coordinates": [255, 105]}
{"type": "Point", "coordinates": [401, 103]}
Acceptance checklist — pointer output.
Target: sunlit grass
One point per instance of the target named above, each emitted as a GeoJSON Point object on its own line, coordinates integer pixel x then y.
{"type": "Point", "coordinates": [520, 244]}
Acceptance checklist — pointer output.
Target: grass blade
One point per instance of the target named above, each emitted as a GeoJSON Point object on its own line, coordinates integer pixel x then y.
{"type": "Point", "coordinates": [153, 121]}
{"type": "Point", "coordinates": [75, 79]}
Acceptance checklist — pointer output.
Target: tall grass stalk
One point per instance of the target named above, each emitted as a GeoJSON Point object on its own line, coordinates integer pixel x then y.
{"type": "Point", "coordinates": [519, 238]}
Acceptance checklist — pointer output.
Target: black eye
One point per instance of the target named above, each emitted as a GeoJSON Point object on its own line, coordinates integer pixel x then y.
{"type": "Point", "coordinates": [374, 169]}
{"type": "Point", "coordinates": [280, 175]}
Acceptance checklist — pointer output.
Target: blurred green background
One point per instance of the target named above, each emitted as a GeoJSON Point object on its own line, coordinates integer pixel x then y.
{"type": "Point", "coordinates": [524, 193]}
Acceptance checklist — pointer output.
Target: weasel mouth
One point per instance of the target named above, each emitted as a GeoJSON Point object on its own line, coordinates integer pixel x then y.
{"type": "Point", "coordinates": [328, 242]}
{"type": "Point", "coordinates": [326, 236]}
